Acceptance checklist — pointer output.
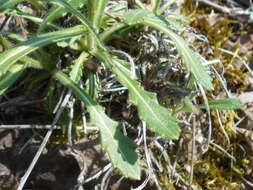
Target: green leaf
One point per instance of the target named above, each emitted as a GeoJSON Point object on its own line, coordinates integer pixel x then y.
{"type": "Point", "coordinates": [76, 72]}
{"type": "Point", "coordinates": [139, 4]}
{"type": "Point", "coordinates": [165, 6]}
{"type": "Point", "coordinates": [5, 4]}
{"type": "Point", "coordinates": [121, 6]}
{"type": "Point", "coordinates": [34, 82]}
{"type": "Point", "coordinates": [136, 16]}
{"type": "Point", "coordinates": [96, 10]}
{"type": "Point", "coordinates": [91, 83]}
{"type": "Point", "coordinates": [238, 170]}
{"type": "Point", "coordinates": [158, 118]}
{"type": "Point", "coordinates": [113, 32]}
{"type": "Point", "coordinates": [224, 104]}
{"type": "Point", "coordinates": [175, 24]}
{"type": "Point", "coordinates": [120, 148]}
{"type": "Point", "coordinates": [56, 11]}
{"type": "Point", "coordinates": [191, 60]}
{"type": "Point", "coordinates": [37, 20]}
{"type": "Point", "coordinates": [155, 4]}
{"type": "Point", "coordinates": [81, 18]}
{"type": "Point", "coordinates": [39, 4]}
{"type": "Point", "coordinates": [188, 106]}
{"type": "Point", "coordinates": [10, 77]}
{"type": "Point", "coordinates": [50, 96]}
{"type": "Point", "coordinates": [10, 56]}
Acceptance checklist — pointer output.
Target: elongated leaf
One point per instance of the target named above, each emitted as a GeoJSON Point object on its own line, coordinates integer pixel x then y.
{"type": "Point", "coordinates": [10, 77]}
{"type": "Point", "coordinates": [113, 32]}
{"type": "Point", "coordinates": [191, 60]}
{"type": "Point", "coordinates": [9, 57]}
{"type": "Point", "coordinates": [188, 106]}
{"type": "Point", "coordinates": [155, 4]}
{"type": "Point", "coordinates": [139, 4]}
{"type": "Point", "coordinates": [56, 12]}
{"type": "Point", "coordinates": [30, 62]}
{"type": "Point", "coordinates": [76, 72]}
{"type": "Point", "coordinates": [121, 6]}
{"type": "Point", "coordinates": [165, 6]}
{"type": "Point", "coordinates": [120, 148]}
{"type": "Point", "coordinates": [224, 104]}
{"type": "Point", "coordinates": [39, 4]}
{"type": "Point", "coordinates": [5, 4]}
{"type": "Point", "coordinates": [158, 118]}
{"type": "Point", "coordinates": [37, 20]}
{"type": "Point", "coordinates": [81, 18]}
{"type": "Point", "coordinates": [95, 14]}
{"type": "Point", "coordinates": [50, 96]}
{"type": "Point", "coordinates": [175, 24]}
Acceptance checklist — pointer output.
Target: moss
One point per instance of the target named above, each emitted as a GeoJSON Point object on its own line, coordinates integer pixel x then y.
{"type": "Point", "coordinates": [58, 137]}
{"type": "Point", "coordinates": [215, 170]}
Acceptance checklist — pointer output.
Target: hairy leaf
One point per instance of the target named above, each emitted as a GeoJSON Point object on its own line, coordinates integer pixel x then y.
{"type": "Point", "coordinates": [139, 4]}
{"type": "Point", "coordinates": [37, 20]}
{"type": "Point", "coordinates": [5, 4]}
{"type": "Point", "coordinates": [96, 11]}
{"type": "Point", "coordinates": [224, 104]}
{"type": "Point", "coordinates": [76, 72]}
{"type": "Point", "coordinates": [56, 12]}
{"type": "Point", "coordinates": [95, 14]}
{"type": "Point", "coordinates": [81, 18]}
{"type": "Point", "coordinates": [191, 60]}
{"type": "Point", "coordinates": [39, 4]}
{"type": "Point", "coordinates": [50, 96]}
{"type": "Point", "coordinates": [155, 4]}
{"type": "Point", "coordinates": [10, 56]}
{"type": "Point", "coordinates": [10, 77]}
{"type": "Point", "coordinates": [165, 6]}
{"type": "Point", "coordinates": [158, 118]}
{"type": "Point", "coordinates": [120, 148]}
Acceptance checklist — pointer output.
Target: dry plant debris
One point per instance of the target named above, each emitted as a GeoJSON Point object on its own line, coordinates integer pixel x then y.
{"type": "Point", "coordinates": [214, 148]}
